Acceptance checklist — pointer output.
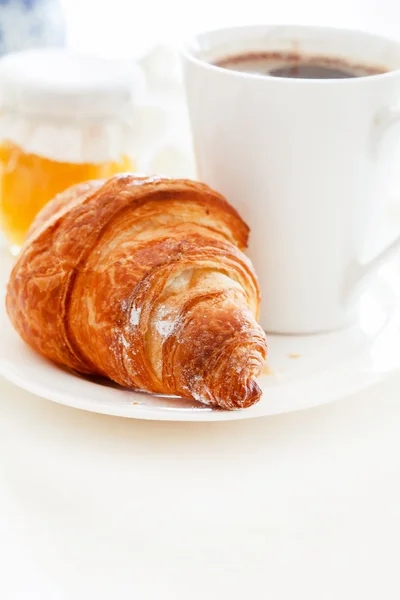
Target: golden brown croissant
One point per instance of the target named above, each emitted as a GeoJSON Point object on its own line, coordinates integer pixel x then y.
{"type": "Point", "coordinates": [143, 280]}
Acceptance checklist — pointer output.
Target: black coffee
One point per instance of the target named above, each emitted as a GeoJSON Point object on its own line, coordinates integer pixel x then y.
{"type": "Point", "coordinates": [307, 71]}
{"type": "Point", "coordinates": [297, 66]}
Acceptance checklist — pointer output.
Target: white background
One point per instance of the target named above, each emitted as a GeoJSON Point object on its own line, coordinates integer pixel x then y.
{"type": "Point", "coordinates": [126, 27]}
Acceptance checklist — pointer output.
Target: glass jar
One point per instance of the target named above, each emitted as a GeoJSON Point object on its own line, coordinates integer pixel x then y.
{"type": "Point", "coordinates": [63, 119]}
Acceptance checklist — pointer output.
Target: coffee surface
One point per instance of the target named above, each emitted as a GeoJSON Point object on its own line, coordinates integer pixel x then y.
{"type": "Point", "coordinates": [297, 66]}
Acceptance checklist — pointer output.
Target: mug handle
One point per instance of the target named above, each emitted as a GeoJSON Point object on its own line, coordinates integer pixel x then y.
{"type": "Point", "coordinates": [384, 122]}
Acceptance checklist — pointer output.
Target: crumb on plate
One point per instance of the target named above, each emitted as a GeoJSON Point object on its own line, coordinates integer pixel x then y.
{"type": "Point", "coordinates": [266, 370]}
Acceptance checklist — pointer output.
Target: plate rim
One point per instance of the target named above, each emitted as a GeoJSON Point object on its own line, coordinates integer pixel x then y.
{"type": "Point", "coordinates": [9, 370]}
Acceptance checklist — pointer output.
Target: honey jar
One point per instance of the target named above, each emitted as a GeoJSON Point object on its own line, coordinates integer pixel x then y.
{"type": "Point", "coordinates": [64, 119]}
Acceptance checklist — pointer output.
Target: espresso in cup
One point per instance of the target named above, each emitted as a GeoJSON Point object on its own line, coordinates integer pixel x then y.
{"type": "Point", "coordinates": [297, 66]}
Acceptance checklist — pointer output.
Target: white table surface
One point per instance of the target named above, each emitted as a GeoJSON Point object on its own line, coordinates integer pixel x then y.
{"type": "Point", "coordinates": [298, 506]}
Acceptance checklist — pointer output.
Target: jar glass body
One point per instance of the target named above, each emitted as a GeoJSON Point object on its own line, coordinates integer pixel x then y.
{"type": "Point", "coordinates": [40, 158]}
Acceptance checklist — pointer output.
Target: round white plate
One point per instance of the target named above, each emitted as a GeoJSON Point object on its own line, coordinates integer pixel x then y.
{"type": "Point", "coordinates": [306, 371]}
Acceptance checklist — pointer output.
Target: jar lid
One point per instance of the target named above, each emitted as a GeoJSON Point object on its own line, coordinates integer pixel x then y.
{"type": "Point", "coordinates": [58, 83]}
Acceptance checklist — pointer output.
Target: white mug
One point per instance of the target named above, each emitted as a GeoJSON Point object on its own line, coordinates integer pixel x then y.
{"type": "Point", "coordinates": [299, 159]}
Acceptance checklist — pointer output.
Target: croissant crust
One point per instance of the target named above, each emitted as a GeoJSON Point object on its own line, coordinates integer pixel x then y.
{"type": "Point", "coordinates": [143, 280]}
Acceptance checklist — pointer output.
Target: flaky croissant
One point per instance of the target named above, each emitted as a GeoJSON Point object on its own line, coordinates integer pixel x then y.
{"type": "Point", "coordinates": [143, 280]}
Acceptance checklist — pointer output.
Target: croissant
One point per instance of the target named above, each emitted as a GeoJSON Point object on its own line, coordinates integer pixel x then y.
{"type": "Point", "coordinates": [143, 280]}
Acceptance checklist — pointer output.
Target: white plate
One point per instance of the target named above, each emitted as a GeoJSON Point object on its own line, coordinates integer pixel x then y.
{"type": "Point", "coordinates": [307, 371]}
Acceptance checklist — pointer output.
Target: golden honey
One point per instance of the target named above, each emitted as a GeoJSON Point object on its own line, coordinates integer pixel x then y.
{"type": "Point", "coordinates": [28, 182]}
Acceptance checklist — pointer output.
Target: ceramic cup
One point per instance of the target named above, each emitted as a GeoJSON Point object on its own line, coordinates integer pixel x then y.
{"type": "Point", "coordinates": [300, 160]}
